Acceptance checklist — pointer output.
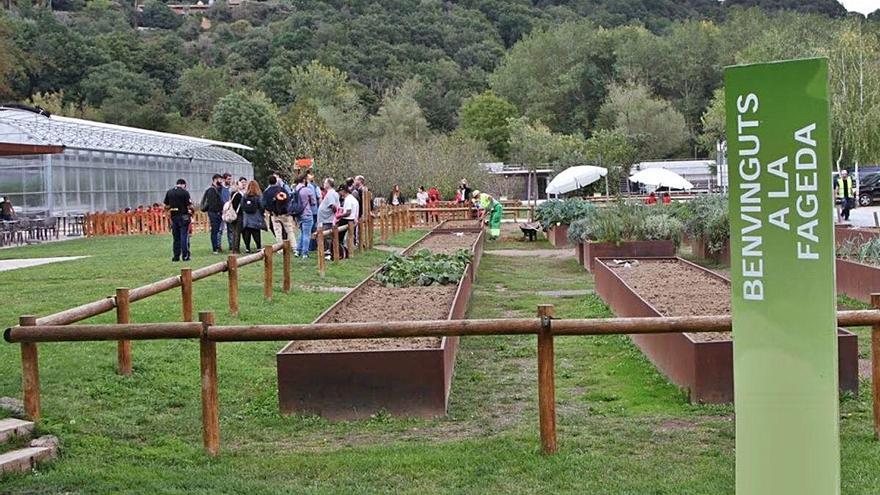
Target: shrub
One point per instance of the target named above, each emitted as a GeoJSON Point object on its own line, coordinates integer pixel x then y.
{"type": "Point", "coordinates": [627, 221]}
{"type": "Point", "coordinates": [707, 216]}
{"type": "Point", "coordinates": [554, 211]}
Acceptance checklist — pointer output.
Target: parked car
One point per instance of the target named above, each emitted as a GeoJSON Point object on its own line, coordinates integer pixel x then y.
{"type": "Point", "coordinates": [869, 189]}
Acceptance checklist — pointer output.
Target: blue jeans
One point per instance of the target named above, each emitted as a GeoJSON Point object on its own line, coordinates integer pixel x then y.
{"type": "Point", "coordinates": [306, 222]}
{"type": "Point", "coordinates": [216, 227]}
{"type": "Point", "coordinates": [180, 233]}
{"type": "Point", "coordinates": [313, 246]}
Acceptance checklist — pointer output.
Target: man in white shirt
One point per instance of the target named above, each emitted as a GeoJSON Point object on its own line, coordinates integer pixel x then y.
{"type": "Point", "coordinates": [350, 212]}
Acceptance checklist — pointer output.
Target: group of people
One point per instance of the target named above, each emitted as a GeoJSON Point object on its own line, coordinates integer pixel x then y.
{"type": "Point", "coordinates": [244, 210]}
{"type": "Point", "coordinates": [7, 212]}
{"type": "Point", "coordinates": [652, 198]}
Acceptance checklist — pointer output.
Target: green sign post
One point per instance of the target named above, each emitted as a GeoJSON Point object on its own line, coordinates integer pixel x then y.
{"type": "Point", "coordinates": [782, 271]}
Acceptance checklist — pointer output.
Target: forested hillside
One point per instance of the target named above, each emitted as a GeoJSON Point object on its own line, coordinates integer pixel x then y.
{"type": "Point", "coordinates": [532, 81]}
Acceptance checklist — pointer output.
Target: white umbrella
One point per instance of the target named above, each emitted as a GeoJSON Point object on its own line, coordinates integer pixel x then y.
{"type": "Point", "coordinates": [660, 177]}
{"type": "Point", "coordinates": [574, 178]}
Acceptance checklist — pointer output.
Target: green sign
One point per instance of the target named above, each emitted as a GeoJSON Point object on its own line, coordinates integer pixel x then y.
{"type": "Point", "coordinates": [782, 272]}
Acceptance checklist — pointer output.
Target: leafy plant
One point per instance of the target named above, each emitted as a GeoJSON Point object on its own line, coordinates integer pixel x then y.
{"type": "Point", "coordinates": [424, 268]}
{"type": "Point", "coordinates": [554, 211]}
{"type": "Point", "coordinates": [863, 252]}
{"type": "Point", "coordinates": [627, 221]}
{"type": "Point", "coordinates": [707, 216]}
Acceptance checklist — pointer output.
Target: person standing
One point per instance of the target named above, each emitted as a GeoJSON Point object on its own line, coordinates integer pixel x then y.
{"type": "Point", "coordinates": [350, 212]}
{"type": "Point", "coordinates": [357, 191]}
{"type": "Point", "coordinates": [843, 187]}
{"type": "Point", "coordinates": [422, 200]}
{"type": "Point", "coordinates": [7, 212]}
{"type": "Point", "coordinates": [310, 179]}
{"type": "Point", "coordinates": [276, 200]}
{"type": "Point", "coordinates": [327, 212]}
{"type": "Point", "coordinates": [306, 218]}
{"type": "Point", "coordinates": [212, 204]}
{"type": "Point", "coordinates": [235, 227]}
{"type": "Point", "coordinates": [179, 205]}
{"type": "Point", "coordinates": [253, 217]}
{"type": "Point", "coordinates": [433, 203]}
{"type": "Point", "coordinates": [465, 191]}
{"type": "Point", "coordinates": [226, 190]}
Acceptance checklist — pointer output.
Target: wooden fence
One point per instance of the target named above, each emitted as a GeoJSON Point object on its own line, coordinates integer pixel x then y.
{"type": "Point", "coordinates": [32, 331]}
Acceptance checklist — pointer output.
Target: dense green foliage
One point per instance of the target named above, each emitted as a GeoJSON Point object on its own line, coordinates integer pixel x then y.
{"type": "Point", "coordinates": [571, 81]}
{"type": "Point", "coordinates": [554, 211]}
{"type": "Point", "coordinates": [424, 268]}
{"type": "Point", "coordinates": [627, 221]}
{"type": "Point", "coordinates": [706, 216]}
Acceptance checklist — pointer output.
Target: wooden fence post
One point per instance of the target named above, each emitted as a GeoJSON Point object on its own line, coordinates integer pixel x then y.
{"type": "Point", "coordinates": [30, 372]}
{"type": "Point", "coordinates": [875, 367]}
{"type": "Point", "coordinates": [369, 217]}
{"type": "Point", "coordinates": [232, 271]}
{"type": "Point", "coordinates": [285, 279]}
{"type": "Point", "coordinates": [210, 396]}
{"type": "Point", "coordinates": [383, 224]}
{"type": "Point", "coordinates": [320, 251]}
{"type": "Point", "coordinates": [335, 240]}
{"type": "Point", "coordinates": [186, 293]}
{"type": "Point", "coordinates": [349, 239]}
{"type": "Point", "coordinates": [123, 347]}
{"type": "Point", "coordinates": [267, 272]}
{"type": "Point", "coordinates": [546, 381]}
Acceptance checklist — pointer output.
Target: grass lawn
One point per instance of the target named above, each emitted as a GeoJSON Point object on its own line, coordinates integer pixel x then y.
{"type": "Point", "coordinates": [622, 428]}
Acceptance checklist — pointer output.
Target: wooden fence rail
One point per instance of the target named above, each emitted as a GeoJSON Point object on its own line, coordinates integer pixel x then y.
{"type": "Point", "coordinates": [29, 333]}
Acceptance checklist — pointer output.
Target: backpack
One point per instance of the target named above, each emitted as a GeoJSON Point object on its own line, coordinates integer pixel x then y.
{"type": "Point", "coordinates": [230, 214]}
{"type": "Point", "coordinates": [250, 205]}
{"type": "Point", "coordinates": [280, 205]}
{"type": "Point", "coordinates": [296, 206]}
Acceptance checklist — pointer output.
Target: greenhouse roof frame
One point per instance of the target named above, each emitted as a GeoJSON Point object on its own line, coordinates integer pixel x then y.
{"type": "Point", "coordinates": [34, 127]}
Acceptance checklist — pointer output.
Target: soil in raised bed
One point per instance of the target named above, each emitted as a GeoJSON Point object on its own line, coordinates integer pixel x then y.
{"type": "Point", "coordinates": [446, 243]}
{"type": "Point", "coordinates": [373, 302]}
{"type": "Point", "coordinates": [678, 289]}
{"type": "Point", "coordinates": [461, 224]}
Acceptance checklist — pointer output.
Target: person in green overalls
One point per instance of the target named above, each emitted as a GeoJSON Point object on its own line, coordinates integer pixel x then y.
{"type": "Point", "coordinates": [491, 212]}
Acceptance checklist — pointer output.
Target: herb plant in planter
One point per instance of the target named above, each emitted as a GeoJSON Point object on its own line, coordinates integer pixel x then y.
{"type": "Point", "coordinates": [555, 217]}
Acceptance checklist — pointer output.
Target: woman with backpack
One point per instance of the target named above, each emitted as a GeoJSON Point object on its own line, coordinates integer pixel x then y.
{"type": "Point", "coordinates": [253, 220]}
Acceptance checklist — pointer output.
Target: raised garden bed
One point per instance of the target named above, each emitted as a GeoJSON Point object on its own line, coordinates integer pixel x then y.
{"type": "Point", "coordinates": [700, 248]}
{"type": "Point", "coordinates": [847, 233]}
{"type": "Point", "coordinates": [558, 235]}
{"type": "Point", "coordinates": [356, 378]}
{"type": "Point", "coordinates": [700, 363]}
{"type": "Point", "coordinates": [857, 280]}
{"type": "Point", "coordinates": [459, 226]}
{"type": "Point", "coordinates": [626, 249]}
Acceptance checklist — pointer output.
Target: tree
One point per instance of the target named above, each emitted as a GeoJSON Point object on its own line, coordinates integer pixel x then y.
{"type": "Point", "coordinates": [534, 144]}
{"type": "Point", "coordinates": [9, 61]}
{"type": "Point", "coordinates": [115, 75]}
{"type": "Point", "coordinates": [657, 129]}
{"type": "Point", "coordinates": [613, 150]}
{"type": "Point", "coordinates": [156, 14]}
{"type": "Point", "coordinates": [714, 123]}
{"type": "Point", "coordinates": [308, 136]}
{"type": "Point", "coordinates": [400, 114]}
{"type": "Point", "coordinates": [484, 117]}
{"type": "Point", "coordinates": [250, 118]}
{"type": "Point", "coordinates": [199, 89]}
{"type": "Point", "coordinates": [558, 76]}
{"type": "Point", "coordinates": [329, 90]}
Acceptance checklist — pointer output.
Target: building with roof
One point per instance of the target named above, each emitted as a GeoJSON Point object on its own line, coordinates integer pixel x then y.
{"type": "Point", "coordinates": [64, 166]}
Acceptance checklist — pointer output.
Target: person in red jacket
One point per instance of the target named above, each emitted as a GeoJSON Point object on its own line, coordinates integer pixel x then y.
{"type": "Point", "coordinates": [651, 199]}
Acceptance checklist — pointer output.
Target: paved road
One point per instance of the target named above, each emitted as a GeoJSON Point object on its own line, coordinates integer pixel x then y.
{"type": "Point", "coordinates": [864, 217]}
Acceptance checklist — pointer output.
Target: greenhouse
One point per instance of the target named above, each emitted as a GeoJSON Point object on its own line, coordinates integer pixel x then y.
{"type": "Point", "coordinates": [64, 166]}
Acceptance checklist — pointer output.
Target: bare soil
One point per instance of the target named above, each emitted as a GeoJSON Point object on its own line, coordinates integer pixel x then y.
{"type": "Point", "coordinates": [461, 224]}
{"type": "Point", "coordinates": [377, 303]}
{"type": "Point", "coordinates": [446, 243]}
{"type": "Point", "coordinates": [678, 289]}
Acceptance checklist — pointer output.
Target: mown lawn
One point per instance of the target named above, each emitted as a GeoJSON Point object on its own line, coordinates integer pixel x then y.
{"type": "Point", "coordinates": [622, 428]}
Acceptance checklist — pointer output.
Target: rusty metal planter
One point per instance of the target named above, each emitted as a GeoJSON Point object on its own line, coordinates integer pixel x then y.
{"type": "Point", "coordinates": [857, 280]}
{"type": "Point", "coordinates": [558, 235]}
{"type": "Point", "coordinates": [700, 248]}
{"type": "Point", "coordinates": [626, 249]}
{"type": "Point", "coordinates": [704, 369]}
{"type": "Point", "coordinates": [844, 234]}
{"type": "Point", "coordinates": [356, 384]}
